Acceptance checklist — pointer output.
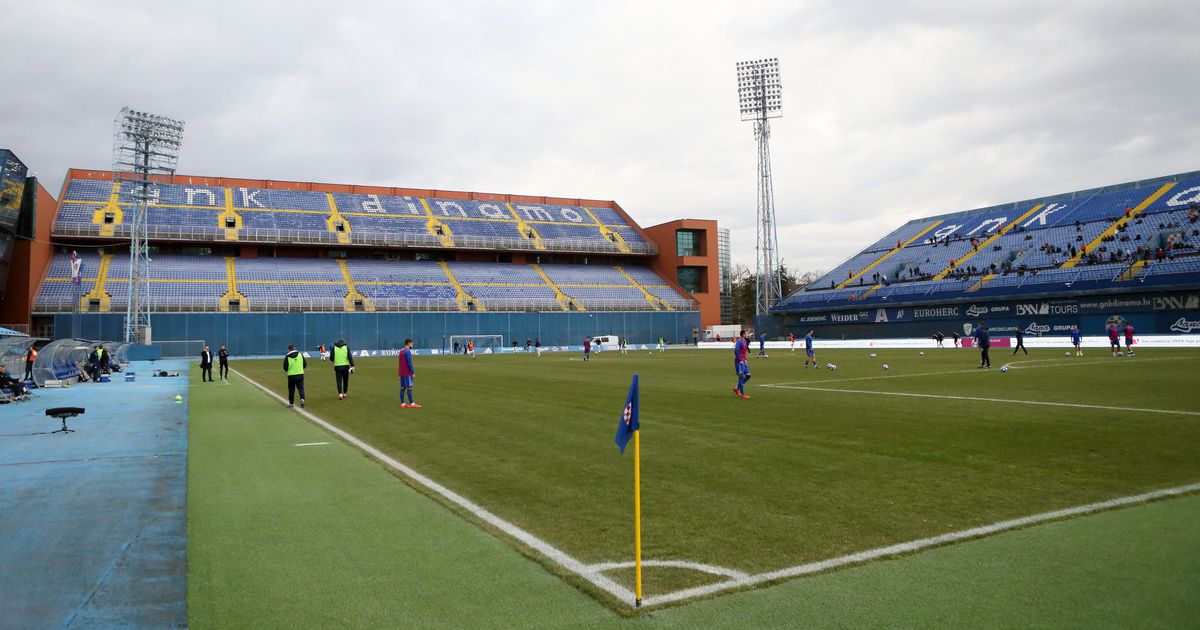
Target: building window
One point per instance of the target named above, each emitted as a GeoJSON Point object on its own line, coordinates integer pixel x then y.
{"type": "Point", "coordinates": [687, 243]}
{"type": "Point", "coordinates": [691, 279]}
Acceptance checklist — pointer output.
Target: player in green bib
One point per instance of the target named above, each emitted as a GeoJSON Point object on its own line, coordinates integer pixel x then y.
{"type": "Point", "coordinates": [343, 367]}
{"type": "Point", "coordinates": [294, 364]}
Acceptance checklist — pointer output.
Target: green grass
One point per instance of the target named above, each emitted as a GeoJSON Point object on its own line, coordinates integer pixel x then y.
{"type": "Point", "coordinates": [286, 536]}
{"type": "Point", "coordinates": [788, 477]}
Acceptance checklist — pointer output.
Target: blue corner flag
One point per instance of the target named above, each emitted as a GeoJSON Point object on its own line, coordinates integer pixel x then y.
{"type": "Point", "coordinates": [628, 422]}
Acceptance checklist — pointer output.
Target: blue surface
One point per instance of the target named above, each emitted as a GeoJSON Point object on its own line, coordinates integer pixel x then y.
{"type": "Point", "coordinates": [93, 524]}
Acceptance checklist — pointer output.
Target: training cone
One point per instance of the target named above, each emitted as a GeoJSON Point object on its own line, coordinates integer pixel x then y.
{"type": "Point", "coordinates": [178, 398]}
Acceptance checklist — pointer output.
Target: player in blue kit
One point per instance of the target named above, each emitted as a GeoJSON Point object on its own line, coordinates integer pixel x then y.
{"type": "Point", "coordinates": [808, 349]}
{"type": "Point", "coordinates": [1077, 340]}
{"type": "Point", "coordinates": [741, 350]}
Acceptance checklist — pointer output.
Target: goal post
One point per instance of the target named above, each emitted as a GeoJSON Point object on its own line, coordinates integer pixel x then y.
{"type": "Point", "coordinates": [483, 343]}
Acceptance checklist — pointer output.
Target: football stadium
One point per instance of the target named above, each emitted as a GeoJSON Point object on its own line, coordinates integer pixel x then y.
{"type": "Point", "coordinates": [253, 397]}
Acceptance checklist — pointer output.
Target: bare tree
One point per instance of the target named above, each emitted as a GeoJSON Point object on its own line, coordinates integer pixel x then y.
{"type": "Point", "coordinates": [743, 286]}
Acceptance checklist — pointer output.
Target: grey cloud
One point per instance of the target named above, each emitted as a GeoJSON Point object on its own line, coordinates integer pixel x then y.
{"type": "Point", "coordinates": [891, 110]}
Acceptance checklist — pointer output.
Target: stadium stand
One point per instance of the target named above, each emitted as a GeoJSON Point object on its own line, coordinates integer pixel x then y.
{"type": "Point", "coordinates": [1092, 241]}
{"type": "Point", "coordinates": [200, 283]}
{"type": "Point", "coordinates": [98, 208]}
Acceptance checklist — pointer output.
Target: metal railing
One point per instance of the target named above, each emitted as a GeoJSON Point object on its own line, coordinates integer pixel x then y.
{"type": "Point", "coordinates": [318, 305]}
{"type": "Point", "coordinates": [400, 240]}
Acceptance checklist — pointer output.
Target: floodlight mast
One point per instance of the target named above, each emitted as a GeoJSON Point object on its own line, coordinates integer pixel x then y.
{"type": "Point", "coordinates": [760, 97]}
{"type": "Point", "coordinates": [145, 149]}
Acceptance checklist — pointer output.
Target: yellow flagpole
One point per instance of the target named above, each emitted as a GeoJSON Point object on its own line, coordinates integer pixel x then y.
{"type": "Point", "coordinates": [637, 511]}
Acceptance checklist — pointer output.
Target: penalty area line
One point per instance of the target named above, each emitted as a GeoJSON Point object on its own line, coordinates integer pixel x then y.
{"type": "Point", "coordinates": [917, 545]}
{"type": "Point", "coordinates": [983, 399]}
{"type": "Point", "coordinates": [555, 555]}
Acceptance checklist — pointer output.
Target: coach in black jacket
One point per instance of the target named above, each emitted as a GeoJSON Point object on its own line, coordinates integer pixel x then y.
{"type": "Point", "coordinates": [206, 365]}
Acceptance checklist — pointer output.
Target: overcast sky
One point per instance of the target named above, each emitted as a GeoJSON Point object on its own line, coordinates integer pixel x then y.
{"type": "Point", "coordinates": [892, 110]}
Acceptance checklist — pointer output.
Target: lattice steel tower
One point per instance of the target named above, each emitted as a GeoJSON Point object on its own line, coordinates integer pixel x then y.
{"type": "Point", "coordinates": [760, 97]}
{"type": "Point", "coordinates": [145, 149]}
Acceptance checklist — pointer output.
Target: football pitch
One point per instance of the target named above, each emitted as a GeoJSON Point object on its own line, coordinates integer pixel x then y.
{"type": "Point", "coordinates": [817, 466]}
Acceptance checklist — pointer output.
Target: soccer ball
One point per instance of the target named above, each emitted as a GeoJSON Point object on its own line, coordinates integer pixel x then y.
{"type": "Point", "coordinates": [873, 355]}
{"type": "Point", "coordinates": [922, 354]}
{"type": "Point", "coordinates": [885, 366]}
{"type": "Point", "coordinates": [831, 366]}
{"type": "Point", "coordinates": [1003, 368]}
{"type": "Point", "coordinates": [1066, 354]}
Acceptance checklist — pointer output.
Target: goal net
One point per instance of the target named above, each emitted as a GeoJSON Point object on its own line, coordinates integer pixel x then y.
{"type": "Point", "coordinates": [483, 343]}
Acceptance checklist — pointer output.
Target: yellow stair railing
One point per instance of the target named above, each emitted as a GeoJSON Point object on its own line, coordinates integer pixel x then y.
{"type": "Point", "coordinates": [850, 280]}
{"type": "Point", "coordinates": [113, 206]}
{"type": "Point", "coordinates": [611, 235]}
{"type": "Point", "coordinates": [658, 303]}
{"type": "Point", "coordinates": [98, 292]}
{"type": "Point", "coordinates": [335, 219]}
{"type": "Point", "coordinates": [353, 297]}
{"type": "Point", "coordinates": [231, 233]}
{"type": "Point", "coordinates": [465, 300]}
{"type": "Point", "coordinates": [437, 227]}
{"type": "Point", "coordinates": [988, 241]}
{"type": "Point", "coordinates": [526, 230]}
{"type": "Point", "coordinates": [565, 301]}
{"type": "Point", "coordinates": [232, 292]}
{"type": "Point", "coordinates": [1133, 271]}
{"type": "Point", "coordinates": [1112, 229]}
{"type": "Point", "coordinates": [982, 281]}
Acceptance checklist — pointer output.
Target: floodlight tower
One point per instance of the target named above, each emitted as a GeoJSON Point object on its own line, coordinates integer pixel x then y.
{"type": "Point", "coordinates": [760, 97]}
{"type": "Point", "coordinates": [145, 147]}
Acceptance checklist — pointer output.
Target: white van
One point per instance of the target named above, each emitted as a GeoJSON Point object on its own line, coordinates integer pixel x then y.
{"type": "Point", "coordinates": [606, 342]}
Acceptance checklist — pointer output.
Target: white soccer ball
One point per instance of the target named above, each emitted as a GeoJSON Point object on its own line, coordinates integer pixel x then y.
{"type": "Point", "coordinates": [1066, 354]}
{"type": "Point", "coordinates": [873, 355]}
{"type": "Point", "coordinates": [831, 366]}
{"type": "Point", "coordinates": [885, 366]}
{"type": "Point", "coordinates": [1003, 368]}
{"type": "Point", "coordinates": [922, 354]}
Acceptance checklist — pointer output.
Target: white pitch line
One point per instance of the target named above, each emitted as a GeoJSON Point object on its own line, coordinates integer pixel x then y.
{"type": "Point", "coordinates": [1016, 365]}
{"type": "Point", "coordinates": [592, 573]}
{"type": "Point", "coordinates": [916, 545]}
{"type": "Point", "coordinates": [982, 399]}
{"type": "Point", "coordinates": [312, 444]}
{"type": "Point", "coordinates": [674, 564]}
{"type": "Point", "coordinates": [551, 552]}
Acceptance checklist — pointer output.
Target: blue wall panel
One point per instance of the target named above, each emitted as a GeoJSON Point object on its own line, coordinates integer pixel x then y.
{"type": "Point", "coordinates": [270, 333]}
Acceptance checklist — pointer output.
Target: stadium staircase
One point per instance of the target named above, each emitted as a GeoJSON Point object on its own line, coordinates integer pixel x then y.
{"type": "Point", "coordinates": [437, 228]}
{"type": "Point", "coordinates": [567, 302]}
{"type": "Point", "coordinates": [466, 302]}
{"type": "Point", "coordinates": [98, 292]}
{"type": "Point", "coordinates": [231, 233]}
{"type": "Point", "coordinates": [982, 281]}
{"type": "Point", "coordinates": [1116, 225]}
{"type": "Point", "coordinates": [986, 243]}
{"type": "Point", "coordinates": [887, 255]}
{"type": "Point", "coordinates": [113, 206]}
{"type": "Point", "coordinates": [611, 235]}
{"type": "Point", "coordinates": [233, 294]}
{"type": "Point", "coordinates": [343, 235]}
{"type": "Point", "coordinates": [659, 304]}
{"type": "Point", "coordinates": [353, 297]}
{"type": "Point", "coordinates": [1132, 272]}
{"type": "Point", "coordinates": [525, 229]}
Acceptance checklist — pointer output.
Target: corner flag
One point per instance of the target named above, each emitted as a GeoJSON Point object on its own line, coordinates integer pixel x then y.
{"type": "Point", "coordinates": [628, 428]}
{"type": "Point", "coordinates": [627, 424]}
